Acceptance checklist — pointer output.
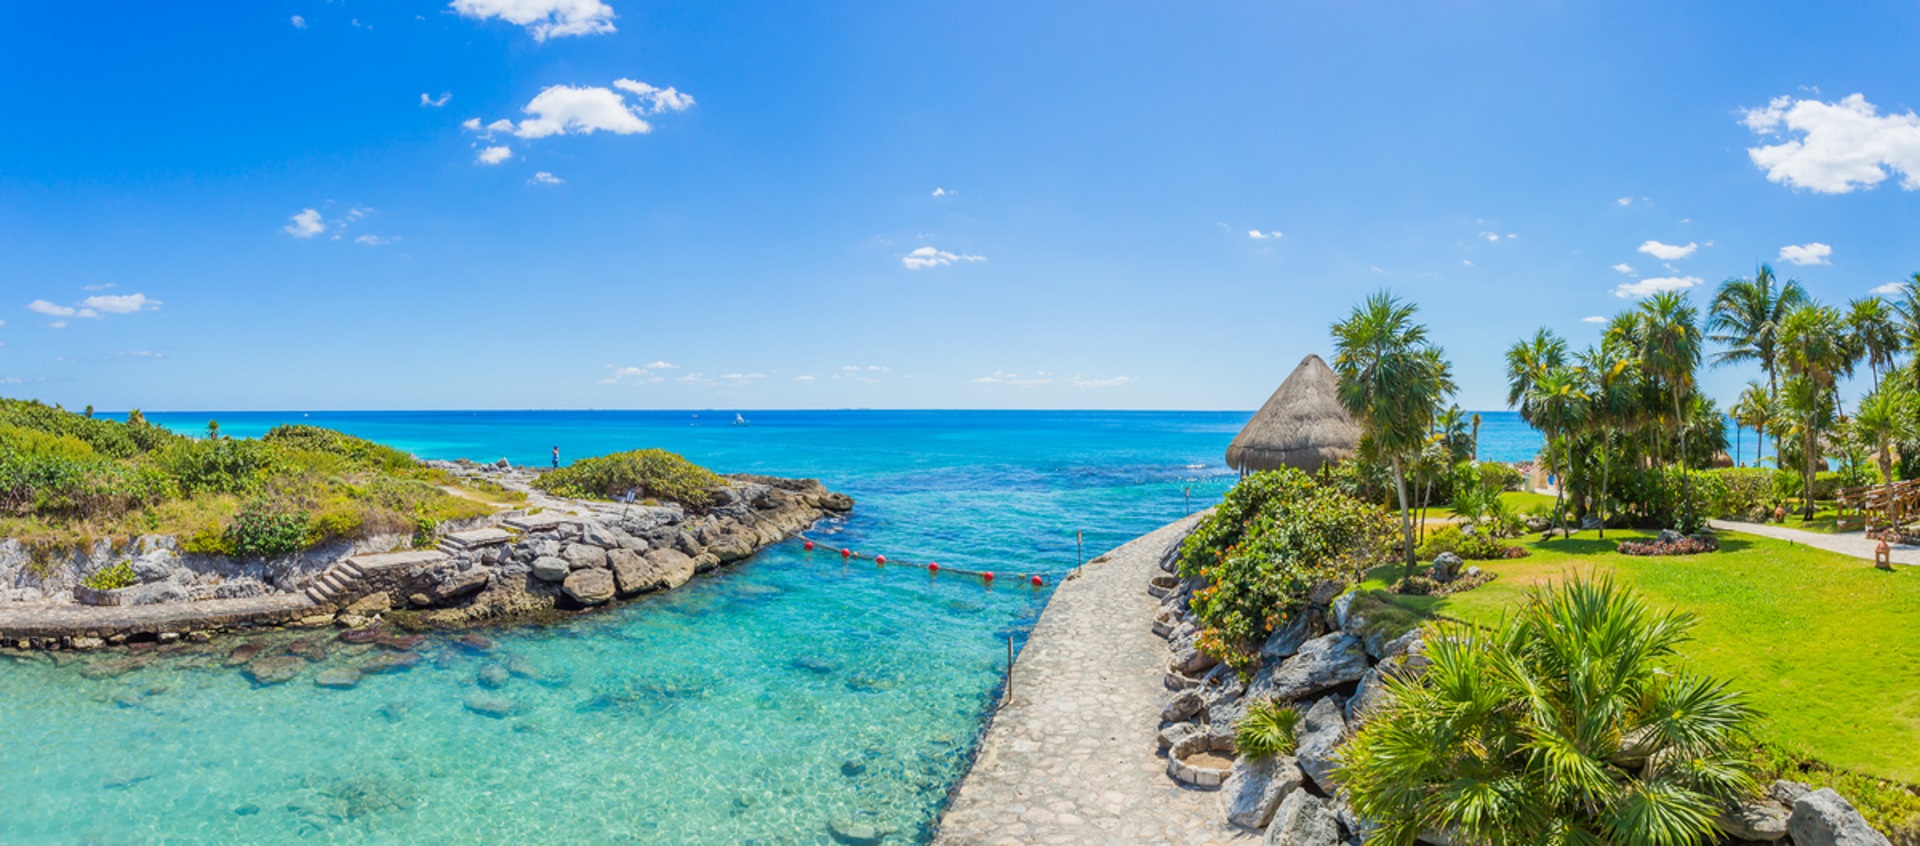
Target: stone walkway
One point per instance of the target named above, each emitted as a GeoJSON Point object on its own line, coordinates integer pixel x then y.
{"type": "Point", "coordinates": [37, 619]}
{"type": "Point", "coordinates": [1073, 758]}
{"type": "Point", "coordinates": [1850, 543]}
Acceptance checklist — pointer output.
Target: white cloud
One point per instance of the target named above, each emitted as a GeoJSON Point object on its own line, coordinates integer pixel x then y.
{"type": "Point", "coordinates": [544, 19]}
{"type": "Point", "coordinates": [929, 257]}
{"type": "Point", "coordinates": [1625, 201]}
{"type": "Point", "coordinates": [656, 100]}
{"type": "Point", "coordinates": [494, 155]}
{"type": "Point", "coordinates": [1112, 382]}
{"type": "Point", "coordinates": [57, 324]}
{"type": "Point", "coordinates": [661, 365]}
{"type": "Point", "coordinates": [1888, 289]}
{"type": "Point", "coordinates": [299, 22]}
{"type": "Point", "coordinates": [743, 377]}
{"type": "Point", "coordinates": [374, 240]}
{"type": "Point", "coordinates": [141, 354]}
{"type": "Point", "coordinates": [432, 103]}
{"type": "Point", "coordinates": [1001, 377]}
{"type": "Point", "coordinates": [1842, 146]}
{"type": "Point", "coordinates": [470, 124]}
{"type": "Point", "coordinates": [110, 304]}
{"type": "Point", "coordinates": [100, 287]}
{"type": "Point", "coordinates": [857, 373]}
{"type": "Point", "coordinates": [1491, 236]}
{"type": "Point", "coordinates": [1466, 262]}
{"type": "Point", "coordinates": [1624, 267]}
{"type": "Point", "coordinates": [1813, 253]}
{"type": "Point", "coordinates": [306, 224]}
{"type": "Point", "coordinates": [1657, 285]}
{"type": "Point", "coordinates": [545, 178]}
{"type": "Point", "coordinates": [803, 378]}
{"type": "Point", "coordinates": [1668, 252]}
{"type": "Point", "coordinates": [1261, 236]}
{"type": "Point", "coordinates": [560, 109]}
{"type": "Point", "coordinates": [1593, 319]}
{"type": "Point", "coordinates": [50, 309]}
{"type": "Point", "coordinates": [942, 192]}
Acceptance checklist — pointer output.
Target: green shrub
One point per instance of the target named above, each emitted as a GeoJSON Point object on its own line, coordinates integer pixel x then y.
{"type": "Point", "coordinates": [112, 578]}
{"type": "Point", "coordinates": [1274, 536]}
{"type": "Point", "coordinates": [1502, 477]}
{"type": "Point", "coordinates": [264, 529]}
{"type": "Point", "coordinates": [79, 488]}
{"type": "Point", "coordinates": [1472, 547]}
{"type": "Point", "coordinates": [1740, 492]}
{"type": "Point", "coordinates": [224, 466]}
{"type": "Point", "coordinates": [360, 451]}
{"type": "Point", "coordinates": [1270, 728]}
{"type": "Point", "coordinates": [648, 472]}
{"type": "Point", "coordinates": [37, 444]}
{"type": "Point", "coordinates": [1571, 722]}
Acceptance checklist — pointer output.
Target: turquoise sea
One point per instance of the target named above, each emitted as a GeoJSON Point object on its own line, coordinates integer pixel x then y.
{"type": "Point", "coordinates": [759, 704]}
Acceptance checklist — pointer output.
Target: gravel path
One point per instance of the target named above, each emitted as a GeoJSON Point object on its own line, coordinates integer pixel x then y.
{"type": "Point", "coordinates": [1073, 758]}
{"type": "Point", "coordinates": [1855, 544]}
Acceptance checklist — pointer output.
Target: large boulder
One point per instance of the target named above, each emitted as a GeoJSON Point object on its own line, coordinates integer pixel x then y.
{"type": "Point", "coordinates": [730, 548]}
{"type": "Point", "coordinates": [1189, 660]}
{"type": "Point", "coordinates": [1371, 694]}
{"type": "Point", "coordinates": [1761, 820]}
{"type": "Point", "coordinates": [1321, 664]}
{"type": "Point", "coordinates": [1303, 819]}
{"type": "Point", "coordinates": [458, 584]}
{"type": "Point", "coordinates": [1254, 789]}
{"type": "Point", "coordinates": [551, 568]}
{"type": "Point", "coordinates": [588, 587]}
{"type": "Point", "coordinates": [582, 556]}
{"type": "Point", "coordinates": [1321, 731]}
{"type": "Point", "coordinates": [1183, 706]}
{"type": "Point", "coordinates": [1304, 626]}
{"type": "Point", "coordinates": [675, 567]}
{"type": "Point", "coordinates": [1446, 567]}
{"type": "Point", "coordinates": [1824, 818]}
{"type": "Point", "coordinates": [632, 573]}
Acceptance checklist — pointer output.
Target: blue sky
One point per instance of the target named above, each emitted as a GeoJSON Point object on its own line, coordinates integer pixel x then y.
{"type": "Point", "coordinates": [903, 204]}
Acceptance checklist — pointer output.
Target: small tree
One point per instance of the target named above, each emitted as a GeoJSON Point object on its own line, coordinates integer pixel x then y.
{"type": "Point", "coordinates": [1887, 416]}
{"type": "Point", "coordinates": [1559, 409]}
{"type": "Point", "coordinates": [1569, 723]}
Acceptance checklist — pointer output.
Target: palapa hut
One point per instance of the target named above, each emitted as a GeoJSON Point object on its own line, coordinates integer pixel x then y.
{"type": "Point", "coordinates": [1302, 425]}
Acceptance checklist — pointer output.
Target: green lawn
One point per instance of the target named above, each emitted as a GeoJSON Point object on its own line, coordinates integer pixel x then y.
{"type": "Point", "coordinates": [1517, 502]}
{"type": "Point", "coordinates": [1827, 646]}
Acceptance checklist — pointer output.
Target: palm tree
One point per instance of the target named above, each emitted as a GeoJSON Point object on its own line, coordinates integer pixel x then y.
{"type": "Point", "coordinates": [1451, 426]}
{"type": "Point", "coordinates": [1754, 409]}
{"type": "Point", "coordinates": [1392, 380]}
{"type": "Point", "coordinates": [1908, 312]}
{"type": "Point", "coordinates": [1887, 416]}
{"type": "Point", "coordinates": [1669, 357]}
{"type": "Point", "coordinates": [1875, 336]}
{"type": "Point", "coordinates": [1806, 410]}
{"type": "Point", "coordinates": [1612, 382]}
{"type": "Point", "coordinates": [1559, 408]}
{"type": "Point", "coordinates": [1527, 361]}
{"type": "Point", "coordinates": [1746, 315]}
{"type": "Point", "coordinates": [1813, 347]}
{"type": "Point", "coordinates": [1572, 722]}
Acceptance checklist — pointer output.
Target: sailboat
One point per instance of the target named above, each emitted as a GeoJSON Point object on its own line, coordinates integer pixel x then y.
{"type": "Point", "coordinates": [739, 420]}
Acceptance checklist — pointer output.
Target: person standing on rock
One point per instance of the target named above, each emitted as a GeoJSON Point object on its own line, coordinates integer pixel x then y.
{"type": "Point", "coordinates": [556, 458]}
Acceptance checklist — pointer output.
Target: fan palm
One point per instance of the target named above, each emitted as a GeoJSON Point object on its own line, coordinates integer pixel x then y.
{"type": "Point", "coordinates": [1907, 310]}
{"type": "Point", "coordinates": [1527, 361]}
{"type": "Point", "coordinates": [1754, 409]}
{"type": "Point", "coordinates": [1807, 410]}
{"type": "Point", "coordinates": [1392, 380]}
{"type": "Point", "coordinates": [1669, 356]}
{"type": "Point", "coordinates": [1889, 415]}
{"type": "Point", "coordinates": [1572, 722]}
{"type": "Point", "coordinates": [1873, 334]}
{"type": "Point", "coordinates": [1559, 409]}
{"type": "Point", "coordinates": [1613, 380]}
{"type": "Point", "coordinates": [1813, 348]}
{"type": "Point", "coordinates": [1746, 315]}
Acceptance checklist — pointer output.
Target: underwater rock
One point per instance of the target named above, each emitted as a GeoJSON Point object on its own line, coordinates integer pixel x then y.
{"type": "Point", "coordinates": [242, 654]}
{"type": "Point", "coordinates": [812, 664]}
{"type": "Point", "coordinates": [274, 669]}
{"type": "Point", "coordinates": [491, 706]}
{"type": "Point", "coordinates": [389, 663]}
{"type": "Point", "coordinates": [339, 678]}
{"type": "Point", "coordinates": [494, 676]}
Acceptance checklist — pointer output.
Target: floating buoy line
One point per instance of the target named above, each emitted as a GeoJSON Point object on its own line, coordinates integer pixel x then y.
{"type": "Point", "coordinates": [933, 568]}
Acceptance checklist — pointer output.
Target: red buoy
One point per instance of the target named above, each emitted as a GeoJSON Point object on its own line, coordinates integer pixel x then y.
{"type": "Point", "coordinates": [933, 566]}
{"type": "Point", "coordinates": [1036, 581]}
{"type": "Point", "coordinates": [987, 576]}
{"type": "Point", "coordinates": [809, 546]}
{"type": "Point", "coordinates": [846, 553]}
{"type": "Point", "coordinates": [880, 559]}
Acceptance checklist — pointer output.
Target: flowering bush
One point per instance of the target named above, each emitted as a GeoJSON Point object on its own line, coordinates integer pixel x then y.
{"type": "Point", "coordinates": [1476, 546]}
{"type": "Point", "coordinates": [1682, 546]}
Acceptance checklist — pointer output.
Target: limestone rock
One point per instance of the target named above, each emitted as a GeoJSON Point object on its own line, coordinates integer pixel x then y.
{"type": "Point", "coordinates": [1755, 819]}
{"type": "Point", "coordinates": [459, 584]}
{"type": "Point", "coordinates": [1254, 789]}
{"type": "Point", "coordinates": [339, 678]}
{"type": "Point", "coordinates": [494, 676]}
{"type": "Point", "coordinates": [589, 587]}
{"type": "Point", "coordinates": [1823, 818]}
{"type": "Point", "coordinates": [275, 669]}
{"type": "Point", "coordinates": [491, 706]}
{"type": "Point", "coordinates": [372, 603]}
{"type": "Point", "coordinates": [730, 548]}
{"type": "Point", "coordinates": [1189, 660]}
{"type": "Point", "coordinates": [1321, 731]}
{"type": "Point", "coordinates": [1176, 732]}
{"type": "Point", "coordinates": [1371, 694]}
{"type": "Point", "coordinates": [1446, 567]}
{"type": "Point", "coordinates": [675, 567]}
{"type": "Point", "coordinates": [1303, 819]}
{"type": "Point", "coordinates": [1342, 607]}
{"type": "Point", "coordinates": [1287, 641]}
{"type": "Point", "coordinates": [1322, 663]}
{"type": "Point", "coordinates": [549, 568]}
{"type": "Point", "coordinates": [582, 556]}
{"type": "Point", "coordinates": [1788, 792]}
{"type": "Point", "coordinates": [1183, 706]}
{"type": "Point", "coordinates": [631, 572]}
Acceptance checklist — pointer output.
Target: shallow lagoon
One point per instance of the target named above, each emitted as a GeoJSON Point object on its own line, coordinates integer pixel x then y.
{"type": "Point", "coordinates": [759, 704]}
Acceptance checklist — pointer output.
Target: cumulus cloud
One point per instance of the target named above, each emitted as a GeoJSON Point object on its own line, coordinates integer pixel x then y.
{"type": "Point", "coordinates": [55, 310]}
{"type": "Point", "coordinates": [1888, 289]}
{"type": "Point", "coordinates": [125, 304]}
{"type": "Point", "coordinates": [374, 240]}
{"type": "Point", "coordinates": [1625, 201]}
{"type": "Point", "coordinates": [1593, 318]}
{"type": "Point", "coordinates": [544, 19]}
{"type": "Point", "coordinates": [299, 22]}
{"type": "Point", "coordinates": [942, 192]}
{"type": "Point", "coordinates": [1814, 253]}
{"type": "Point", "coordinates": [494, 155]}
{"type": "Point", "coordinates": [661, 365]}
{"type": "Point", "coordinates": [1668, 252]}
{"type": "Point", "coordinates": [433, 103]}
{"type": "Point", "coordinates": [1840, 146]}
{"type": "Point", "coordinates": [1257, 235]}
{"type": "Point", "coordinates": [1658, 285]}
{"type": "Point", "coordinates": [545, 178]}
{"type": "Point", "coordinates": [926, 257]}
{"type": "Point", "coordinates": [1491, 236]}
{"type": "Point", "coordinates": [803, 378]}
{"type": "Point", "coordinates": [305, 224]}
{"type": "Point", "coordinates": [1624, 267]}
{"type": "Point", "coordinates": [584, 110]}
{"type": "Point", "coordinates": [656, 100]}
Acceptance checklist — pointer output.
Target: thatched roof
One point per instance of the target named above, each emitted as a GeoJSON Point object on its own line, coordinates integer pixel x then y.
{"type": "Point", "coordinates": [1302, 425]}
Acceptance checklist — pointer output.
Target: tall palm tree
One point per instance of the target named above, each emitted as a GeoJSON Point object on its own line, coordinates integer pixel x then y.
{"type": "Point", "coordinates": [1889, 415]}
{"type": "Point", "coordinates": [1754, 409]}
{"type": "Point", "coordinates": [1745, 317]}
{"type": "Point", "coordinates": [1875, 335]}
{"type": "Point", "coordinates": [1907, 309]}
{"type": "Point", "coordinates": [1451, 427]}
{"type": "Point", "coordinates": [1613, 378]}
{"type": "Point", "coordinates": [1559, 409]}
{"type": "Point", "coordinates": [1527, 361]}
{"type": "Point", "coordinates": [1814, 349]}
{"type": "Point", "coordinates": [1392, 380]}
{"type": "Point", "coordinates": [1670, 357]}
{"type": "Point", "coordinates": [1806, 410]}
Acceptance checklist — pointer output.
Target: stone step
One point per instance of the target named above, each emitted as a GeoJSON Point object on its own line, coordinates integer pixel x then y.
{"type": "Point", "coordinates": [544, 521]}
{"type": "Point", "coordinates": [320, 591]}
{"type": "Point", "coordinates": [334, 581]}
{"type": "Point", "coordinates": [391, 560]}
{"type": "Point", "coordinates": [474, 537]}
{"type": "Point", "coordinates": [318, 597]}
{"type": "Point", "coordinates": [348, 566]}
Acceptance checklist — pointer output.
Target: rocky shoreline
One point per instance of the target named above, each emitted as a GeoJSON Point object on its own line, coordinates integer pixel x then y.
{"type": "Point", "coordinates": [550, 555]}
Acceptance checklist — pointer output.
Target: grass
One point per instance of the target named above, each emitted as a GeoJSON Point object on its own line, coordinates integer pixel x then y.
{"type": "Point", "coordinates": [1822, 643]}
{"type": "Point", "coordinates": [1517, 502]}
